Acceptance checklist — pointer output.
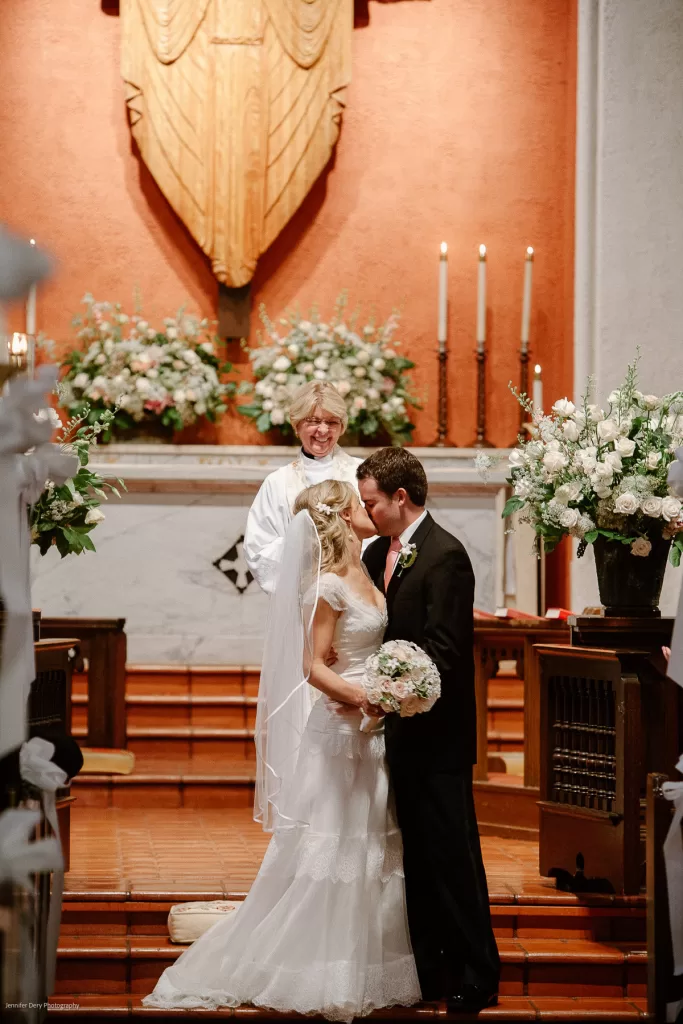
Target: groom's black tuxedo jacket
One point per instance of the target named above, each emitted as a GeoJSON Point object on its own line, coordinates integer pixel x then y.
{"type": "Point", "coordinates": [432, 604]}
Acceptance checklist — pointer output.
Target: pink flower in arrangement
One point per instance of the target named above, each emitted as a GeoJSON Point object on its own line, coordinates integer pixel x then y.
{"type": "Point", "coordinates": [387, 385]}
{"type": "Point", "coordinates": [157, 405]}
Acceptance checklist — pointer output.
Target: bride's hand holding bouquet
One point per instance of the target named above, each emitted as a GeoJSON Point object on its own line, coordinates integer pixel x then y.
{"type": "Point", "coordinates": [399, 678]}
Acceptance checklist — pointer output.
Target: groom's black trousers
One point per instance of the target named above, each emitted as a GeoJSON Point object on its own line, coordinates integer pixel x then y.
{"type": "Point", "coordinates": [446, 891]}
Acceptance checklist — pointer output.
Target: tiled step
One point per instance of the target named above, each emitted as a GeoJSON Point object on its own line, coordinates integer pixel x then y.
{"type": "Point", "coordinates": [172, 782]}
{"type": "Point", "coordinates": [112, 964]}
{"type": "Point", "coordinates": [87, 913]}
{"type": "Point", "coordinates": [142, 710]}
{"type": "Point", "coordinates": [510, 1009]}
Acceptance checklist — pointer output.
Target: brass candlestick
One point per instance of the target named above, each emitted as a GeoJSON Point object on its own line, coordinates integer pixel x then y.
{"type": "Point", "coordinates": [481, 440]}
{"type": "Point", "coordinates": [442, 431]}
{"type": "Point", "coordinates": [523, 385]}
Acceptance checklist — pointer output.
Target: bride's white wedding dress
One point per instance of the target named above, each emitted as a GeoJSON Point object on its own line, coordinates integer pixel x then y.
{"type": "Point", "coordinates": [324, 927]}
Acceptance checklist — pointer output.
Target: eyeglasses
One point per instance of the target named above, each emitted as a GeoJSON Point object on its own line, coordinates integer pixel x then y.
{"type": "Point", "coordinates": [332, 424]}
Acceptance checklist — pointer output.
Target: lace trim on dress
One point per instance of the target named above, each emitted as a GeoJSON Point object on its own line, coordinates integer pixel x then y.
{"type": "Point", "coordinates": [317, 988]}
{"type": "Point", "coordinates": [377, 856]}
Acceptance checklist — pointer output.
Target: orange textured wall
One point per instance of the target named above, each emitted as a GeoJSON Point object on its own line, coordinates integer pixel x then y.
{"type": "Point", "coordinates": [459, 126]}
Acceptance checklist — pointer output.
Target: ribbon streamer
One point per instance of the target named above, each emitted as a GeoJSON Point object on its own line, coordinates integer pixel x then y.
{"type": "Point", "coordinates": [19, 431]}
{"type": "Point", "coordinates": [37, 768]}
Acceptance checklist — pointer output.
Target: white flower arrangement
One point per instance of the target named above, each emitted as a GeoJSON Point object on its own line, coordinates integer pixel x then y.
{"type": "Point", "coordinates": [66, 514]}
{"type": "Point", "coordinates": [589, 472]}
{"type": "Point", "coordinates": [169, 375]}
{"type": "Point", "coordinates": [362, 364]}
{"type": "Point", "coordinates": [401, 678]}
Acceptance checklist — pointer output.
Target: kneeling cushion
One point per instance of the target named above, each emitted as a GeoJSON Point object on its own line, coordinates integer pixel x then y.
{"type": "Point", "coordinates": [187, 921]}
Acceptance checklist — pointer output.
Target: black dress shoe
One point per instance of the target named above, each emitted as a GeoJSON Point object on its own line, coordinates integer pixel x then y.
{"type": "Point", "coordinates": [471, 999]}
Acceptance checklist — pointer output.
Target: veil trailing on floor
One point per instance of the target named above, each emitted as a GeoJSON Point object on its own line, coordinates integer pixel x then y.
{"type": "Point", "coordinates": [284, 701]}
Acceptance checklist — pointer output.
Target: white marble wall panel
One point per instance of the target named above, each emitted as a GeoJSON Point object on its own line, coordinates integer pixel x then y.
{"type": "Point", "coordinates": [153, 566]}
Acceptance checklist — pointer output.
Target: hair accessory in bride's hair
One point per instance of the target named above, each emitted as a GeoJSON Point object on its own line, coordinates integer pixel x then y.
{"type": "Point", "coordinates": [322, 507]}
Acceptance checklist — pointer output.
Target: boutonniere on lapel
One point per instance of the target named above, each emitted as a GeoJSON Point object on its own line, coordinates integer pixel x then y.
{"type": "Point", "coordinates": [406, 557]}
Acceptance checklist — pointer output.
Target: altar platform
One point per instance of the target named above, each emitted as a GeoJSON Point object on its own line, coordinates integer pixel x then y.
{"type": "Point", "coordinates": [564, 957]}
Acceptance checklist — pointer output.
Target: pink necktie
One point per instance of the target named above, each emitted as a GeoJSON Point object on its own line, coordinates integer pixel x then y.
{"type": "Point", "coordinates": [392, 555]}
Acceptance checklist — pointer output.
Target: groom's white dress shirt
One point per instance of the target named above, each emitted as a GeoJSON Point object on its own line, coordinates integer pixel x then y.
{"type": "Point", "coordinates": [271, 512]}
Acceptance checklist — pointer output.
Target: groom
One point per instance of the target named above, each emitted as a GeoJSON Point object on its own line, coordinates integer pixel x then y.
{"type": "Point", "coordinates": [429, 589]}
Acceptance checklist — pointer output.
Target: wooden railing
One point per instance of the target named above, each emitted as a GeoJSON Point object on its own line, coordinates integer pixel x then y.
{"type": "Point", "coordinates": [512, 640]}
{"type": "Point", "coordinates": [607, 720]}
{"type": "Point", "coordinates": [103, 645]}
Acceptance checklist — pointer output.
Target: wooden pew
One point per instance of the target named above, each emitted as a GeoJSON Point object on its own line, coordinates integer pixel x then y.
{"type": "Point", "coordinates": [102, 643]}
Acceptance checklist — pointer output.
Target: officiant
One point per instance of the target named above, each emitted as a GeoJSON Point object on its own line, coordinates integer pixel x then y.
{"type": "Point", "coordinates": [318, 416]}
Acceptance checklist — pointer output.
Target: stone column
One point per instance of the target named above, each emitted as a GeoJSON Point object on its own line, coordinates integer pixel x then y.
{"type": "Point", "coordinates": [629, 209]}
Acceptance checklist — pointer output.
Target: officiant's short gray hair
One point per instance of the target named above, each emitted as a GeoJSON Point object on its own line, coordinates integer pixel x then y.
{"type": "Point", "coordinates": [314, 394]}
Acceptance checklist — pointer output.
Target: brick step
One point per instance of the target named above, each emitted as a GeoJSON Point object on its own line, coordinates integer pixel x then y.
{"type": "Point", "coordinates": [111, 964]}
{"type": "Point", "coordinates": [172, 782]}
{"type": "Point", "coordinates": [510, 1009]}
{"type": "Point", "coordinates": [198, 709]}
{"type": "Point", "coordinates": [86, 913]}
{"type": "Point", "coordinates": [183, 679]}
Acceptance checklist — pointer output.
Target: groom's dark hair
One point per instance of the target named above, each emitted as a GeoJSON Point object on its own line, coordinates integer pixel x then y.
{"type": "Point", "coordinates": [393, 468]}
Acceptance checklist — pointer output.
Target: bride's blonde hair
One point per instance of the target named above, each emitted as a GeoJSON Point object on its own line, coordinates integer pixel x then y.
{"type": "Point", "coordinates": [324, 502]}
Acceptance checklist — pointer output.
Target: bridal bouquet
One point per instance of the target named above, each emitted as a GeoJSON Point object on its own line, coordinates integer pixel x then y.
{"type": "Point", "coordinates": [401, 678]}
{"type": "Point", "coordinates": [361, 362]}
{"type": "Point", "coordinates": [602, 473]}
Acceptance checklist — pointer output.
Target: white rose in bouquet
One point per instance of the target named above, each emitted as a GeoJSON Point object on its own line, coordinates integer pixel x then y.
{"type": "Point", "coordinates": [626, 504]}
{"type": "Point", "coordinates": [554, 461]}
{"type": "Point", "coordinates": [641, 547]}
{"type": "Point", "coordinates": [608, 430]}
{"type": "Point", "coordinates": [564, 407]}
{"type": "Point", "coordinates": [671, 509]}
{"type": "Point", "coordinates": [569, 518]}
{"type": "Point", "coordinates": [625, 447]}
{"type": "Point", "coordinates": [571, 431]}
{"type": "Point", "coordinates": [652, 507]}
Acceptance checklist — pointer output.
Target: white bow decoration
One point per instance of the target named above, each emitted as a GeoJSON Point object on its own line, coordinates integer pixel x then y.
{"type": "Point", "coordinates": [675, 479]}
{"type": "Point", "coordinates": [45, 463]}
{"type": "Point", "coordinates": [19, 857]}
{"type": "Point", "coordinates": [673, 861]}
{"type": "Point", "coordinates": [38, 770]}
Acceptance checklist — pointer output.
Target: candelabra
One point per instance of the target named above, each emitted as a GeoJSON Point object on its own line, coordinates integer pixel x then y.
{"type": "Point", "coordinates": [442, 430]}
{"type": "Point", "coordinates": [481, 440]}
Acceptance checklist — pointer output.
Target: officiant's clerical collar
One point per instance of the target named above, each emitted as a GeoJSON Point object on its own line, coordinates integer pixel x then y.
{"type": "Point", "coordinates": [323, 458]}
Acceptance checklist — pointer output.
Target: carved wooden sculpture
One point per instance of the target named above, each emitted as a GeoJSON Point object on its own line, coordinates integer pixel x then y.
{"type": "Point", "coordinates": [236, 106]}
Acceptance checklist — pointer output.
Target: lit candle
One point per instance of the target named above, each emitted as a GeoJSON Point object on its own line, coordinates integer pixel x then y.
{"type": "Point", "coordinates": [526, 300]}
{"type": "Point", "coordinates": [442, 332]}
{"type": "Point", "coordinates": [481, 300]}
{"type": "Point", "coordinates": [19, 350]}
{"type": "Point", "coordinates": [31, 306]}
{"type": "Point", "coordinates": [537, 396]}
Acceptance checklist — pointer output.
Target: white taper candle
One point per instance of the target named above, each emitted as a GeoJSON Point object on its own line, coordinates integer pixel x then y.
{"type": "Point", "coordinates": [481, 300]}
{"type": "Point", "coordinates": [537, 395]}
{"type": "Point", "coordinates": [526, 298]}
{"type": "Point", "coordinates": [31, 305]}
{"type": "Point", "coordinates": [442, 332]}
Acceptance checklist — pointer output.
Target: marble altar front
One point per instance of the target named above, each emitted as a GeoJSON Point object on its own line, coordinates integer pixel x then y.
{"type": "Point", "coordinates": [169, 555]}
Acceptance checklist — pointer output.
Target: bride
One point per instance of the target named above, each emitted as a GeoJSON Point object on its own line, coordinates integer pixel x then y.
{"type": "Point", "coordinates": [324, 926]}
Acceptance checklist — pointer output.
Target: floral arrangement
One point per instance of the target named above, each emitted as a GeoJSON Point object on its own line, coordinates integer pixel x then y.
{"type": "Point", "coordinates": [401, 678]}
{"type": "Point", "coordinates": [361, 363]}
{"type": "Point", "coordinates": [588, 472]}
{"type": "Point", "coordinates": [65, 515]}
{"type": "Point", "coordinates": [169, 375]}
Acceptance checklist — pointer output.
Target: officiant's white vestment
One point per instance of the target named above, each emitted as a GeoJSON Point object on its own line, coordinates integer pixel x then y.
{"type": "Point", "coordinates": [271, 512]}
